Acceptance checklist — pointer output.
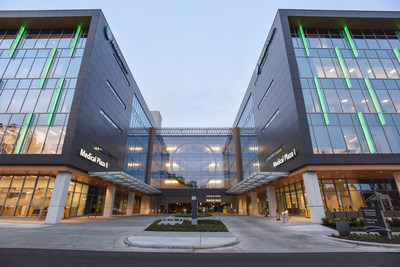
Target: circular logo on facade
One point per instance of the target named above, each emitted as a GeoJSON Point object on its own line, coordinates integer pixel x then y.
{"type": "Point", "coordinates": [108, 33]}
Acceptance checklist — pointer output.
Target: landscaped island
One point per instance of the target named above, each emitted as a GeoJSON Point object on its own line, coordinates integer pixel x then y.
{"type": "Point", "coordinates": [186, 226]}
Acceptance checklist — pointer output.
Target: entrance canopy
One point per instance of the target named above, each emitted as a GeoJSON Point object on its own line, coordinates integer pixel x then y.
{"type": "Point", "coordinates": [125, 180]}
{"type": "Point", "coordinates": [255, 180]}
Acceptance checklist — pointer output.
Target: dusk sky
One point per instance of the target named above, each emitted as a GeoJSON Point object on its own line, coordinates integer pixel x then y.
{"type": "Point", "coordinates": [193, 60]}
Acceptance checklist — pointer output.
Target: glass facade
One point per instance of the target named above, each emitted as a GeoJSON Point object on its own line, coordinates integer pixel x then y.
{"type": "Point", "coordinates": [28, 195]}
{"type": "Point", "coordinates": [37, 84]}
{"type": "Point", "coordinates": [351, 94]}
{"type": "Point", "coordinates": [138, 142]}
{"type": "Point", "coordinates": [292, 198]}
{"type": "Point", "coordinates": [352, 194]}
{"type": "Point", "coordinates": [248, 140]}
{"type": "Point", "coordinates": [230, 161]}
{"type": "Point", "coordinates": [84, 199]}
{"type": "Point", "coordinates": [193, 160]}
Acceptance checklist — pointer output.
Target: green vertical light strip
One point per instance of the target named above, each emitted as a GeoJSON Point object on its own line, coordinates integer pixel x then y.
{"type": "Point", "coordinates": [321, 100]}
{"type": "Point", "coordinates": [346, 30]}
{"type": "Point", "coordinates": [397, 53]}
{"type": "Point", "coordinates": [22, 135]}
{"type": "Point", "coordinates": [16, 41]}
{"type": "Point", "coordinates": [55, 102]}
{"type": "Point", "coordinates": [375, 101]}
{"type": "Point", "coordinates": [77, 34]}
{"type": "Point", "coordinates": [343, 66]}
{"type": "Point", "coordinates": [398, 34]}
{"type": "Point", "coordinates": [47, 68]}
{"type": "Point", "coordinates": [303, 37]}
{"type": "Point", "coordinates": [366, 133]}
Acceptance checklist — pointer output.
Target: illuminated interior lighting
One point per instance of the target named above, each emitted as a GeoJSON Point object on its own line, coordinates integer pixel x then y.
{"type": "Point", "coordinates": [303, 37]}
{"type": "Point", "coordinates": [366, 133]}
{"type": "Point", "coordinates": [351, 70]}
{"type": "Point", "coordinates": [216, 148]}
{"type": "Point", "coordinates": [135, 148]}
{"type": "Point", "coordinates": [174, 165]}
{"type": "Point", "coordinates": [171, 181]}
{"type": "Point", "coordinates": [345, 100]}
{"type": "Point", "coordinates": [353, 47]}
{"type": "Point", "coordinates": [215, 181]}
{"type": "Point", "coordinates": [332, 70]}
{"type": "Point", "coordinates": [343, 66]}
{"type": "Point", "coordinates": [16, 41]}
{"type": "Point", "coordinates": [253, 148]}
{"type": "Point", "coordinates": [212, 165]}
{"type": "Point", "coordinates": [375, 101]}
{"type": "Point", "coordinates": [171, 148]}
{"type": "Point", "coordinates": [385, 100]}
{"type": "Point", "coordinates": [321, 100]}
{"type": "Point", "coordinates": [392, 71]}
{"type": "Point", "coordinates": [352, 140]}
{"type": "Point", "coordinates": [134, 164]}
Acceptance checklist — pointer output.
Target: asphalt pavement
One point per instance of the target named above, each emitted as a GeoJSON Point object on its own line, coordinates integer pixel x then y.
{"type": "Point", "coordinates": [61, 258]}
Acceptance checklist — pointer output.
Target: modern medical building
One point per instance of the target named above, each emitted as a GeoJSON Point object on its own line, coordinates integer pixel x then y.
{"type": "Point", "coordinates": [317, 133]}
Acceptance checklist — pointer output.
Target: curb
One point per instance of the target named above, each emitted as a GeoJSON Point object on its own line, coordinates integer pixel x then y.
{"type": "Point", "coordinates": [363, 243]}
{"type": "Point", "coordinates": [132, 244]}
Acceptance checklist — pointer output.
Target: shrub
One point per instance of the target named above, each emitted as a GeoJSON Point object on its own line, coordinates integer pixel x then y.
{"type": "Point", "coordinates": [353, 222]}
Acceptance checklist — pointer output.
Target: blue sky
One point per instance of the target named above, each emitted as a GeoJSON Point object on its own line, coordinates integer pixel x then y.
{"type": "Point", "coordinates": [193, 60]}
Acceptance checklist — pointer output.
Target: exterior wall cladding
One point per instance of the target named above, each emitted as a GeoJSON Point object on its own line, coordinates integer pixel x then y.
{"type": "Point", "coordinates": [291, 126]}
{"type": "Point", "coordinates": [91, 94]}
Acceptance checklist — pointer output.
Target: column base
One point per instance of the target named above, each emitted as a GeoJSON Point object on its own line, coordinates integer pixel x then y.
{"type": "Point", "coordinates": [317, 213]}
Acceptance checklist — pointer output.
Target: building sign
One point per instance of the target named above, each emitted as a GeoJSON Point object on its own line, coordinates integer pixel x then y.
{"type": "Point", "coordinates": [92, 158]}
{"type": "Point", "coordinates": [374, 220]}
{"type": "Point", "coordinates": [284, 158]}
{"type": "Point", "coordinates": [110, 37]}
{"type": "Point", "coordinates": [213, 198]}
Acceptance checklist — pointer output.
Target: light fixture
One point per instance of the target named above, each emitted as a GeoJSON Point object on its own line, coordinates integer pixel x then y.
{"type": "Point", "coordinates": [345, 100]}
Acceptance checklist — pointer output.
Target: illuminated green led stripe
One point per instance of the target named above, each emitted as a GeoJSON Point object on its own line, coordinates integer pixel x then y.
{"type": "Point", "coordinates": [321, 100]}
{"type": "Point", "coordinates": [343, 66]}
{"type": "Point", "coordinates": [55, 102]}
{"type": "Point", "coordinates": [366, 133]}
{"type": "Point", "coordinates": [48, 65]}
{"type": "Point", "coordinates": [303, 37]}
{"type": "Point", "coordinates": [78, 32]}
{"type": "Point", "coordinates": [397, 53]}
{"type": "Point", "coordinates": [23, 134]}
{"type": "Point", "coordinates": [16, 41]}
{"type": "Point", "coordinates": [346, 30]}
{"type": "Point", "coordinates": [375, 101]}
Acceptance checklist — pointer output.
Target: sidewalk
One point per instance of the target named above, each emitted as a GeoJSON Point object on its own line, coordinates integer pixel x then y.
{"type": "Point", "coordinates": [181, 240]}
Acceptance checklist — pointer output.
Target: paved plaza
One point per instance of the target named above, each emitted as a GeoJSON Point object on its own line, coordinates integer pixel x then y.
{"type": "Point", "coordinates": [247, 234]}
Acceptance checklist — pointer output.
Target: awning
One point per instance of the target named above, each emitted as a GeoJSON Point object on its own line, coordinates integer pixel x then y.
{"type": "Point", "coordinates": [255, 180]}
{"type": "Point", "coordinates": [125, 180]}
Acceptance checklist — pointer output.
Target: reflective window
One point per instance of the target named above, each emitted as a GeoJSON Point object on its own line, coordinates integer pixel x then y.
{"type": "Point", "coordinates": [22, 93]}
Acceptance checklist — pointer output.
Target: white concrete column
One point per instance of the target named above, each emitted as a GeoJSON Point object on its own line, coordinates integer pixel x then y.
{"type": "Point", "coordinates": [272, 205]}
{"type": "Point", "coordinates": [396, 176]}
{"type": "Point", "coordinates": [145, 205]}
{"type": "Point", "coordinates": [254, 205]}
{"type": "Point", "coordinates": [314, 198]}
{"type": "Point", "coordinates": [131, 203]}
{"type": "Point", "coordinates": [58, 198]}
{"type": "Point", "coordinates": [109, 201]}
